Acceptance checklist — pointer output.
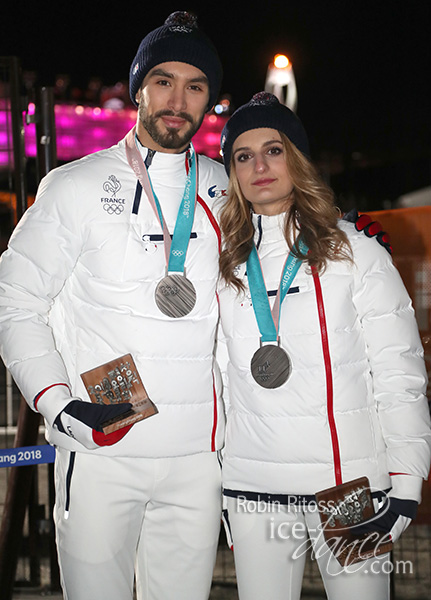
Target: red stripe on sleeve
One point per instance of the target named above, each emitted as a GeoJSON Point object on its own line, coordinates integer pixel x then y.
{"type": "Point", "coordinates": [40, 394]}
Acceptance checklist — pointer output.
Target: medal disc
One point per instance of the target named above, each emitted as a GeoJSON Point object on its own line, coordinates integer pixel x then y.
{"type": "Point", "coordinates": [270, 366]}
{"type": "Point", "coordinates": [175, 296]}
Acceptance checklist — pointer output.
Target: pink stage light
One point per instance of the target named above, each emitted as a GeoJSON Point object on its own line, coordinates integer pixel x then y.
{"type": "Point", "coordinates": [81, 130]}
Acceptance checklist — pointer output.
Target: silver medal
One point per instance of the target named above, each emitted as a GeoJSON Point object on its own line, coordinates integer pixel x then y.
{"type": "Point", "coordinates": [270, 366]}
{"type": "Point", "coordinates": [175, 295]}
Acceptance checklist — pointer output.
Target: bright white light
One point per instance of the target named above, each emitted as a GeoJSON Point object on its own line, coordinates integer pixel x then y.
{"type": "Point", "coordinates": [281, 61]}
{"type": "Point", "coordinates": [280, 81]}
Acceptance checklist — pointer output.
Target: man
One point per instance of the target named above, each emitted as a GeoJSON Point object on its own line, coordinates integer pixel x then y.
{"type": "Point", "coordinates": [90, 276]}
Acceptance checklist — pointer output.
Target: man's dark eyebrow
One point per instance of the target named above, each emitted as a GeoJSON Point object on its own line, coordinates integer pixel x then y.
{"type": "Point", "coordinates": [200, 79]}
{"type": "Point", "coordinates": [157, 72]}
{"type": "Point", "coordinates": [160, 73]}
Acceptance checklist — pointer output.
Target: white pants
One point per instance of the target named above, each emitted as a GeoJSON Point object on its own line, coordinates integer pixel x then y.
{"type": "Point", "coordinates": [158, 517]}
{"type": "Point", "coordinates": [270, 543]}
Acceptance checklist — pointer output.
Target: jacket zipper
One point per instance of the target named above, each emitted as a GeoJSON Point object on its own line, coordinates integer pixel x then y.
{"type": "Point", "coordinates": [329, 382]}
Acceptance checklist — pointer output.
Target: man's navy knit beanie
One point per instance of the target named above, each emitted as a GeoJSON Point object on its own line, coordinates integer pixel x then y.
{"type": "Point", "coordinates": [180, 40]}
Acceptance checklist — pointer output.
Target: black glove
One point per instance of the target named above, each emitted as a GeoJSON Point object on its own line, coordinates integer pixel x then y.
{"type": "Point", "coordinates": [370, 228]}
{"type": "Point", "coordinates": [393, 518]}
{"type": "Point", "coordinates": [83, 422]}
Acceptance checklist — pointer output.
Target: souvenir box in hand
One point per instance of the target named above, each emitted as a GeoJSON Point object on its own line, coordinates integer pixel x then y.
{"type": "Point", "coordinates": [342, 507]}
{"type": "Point", "coordinates": [118, 381]}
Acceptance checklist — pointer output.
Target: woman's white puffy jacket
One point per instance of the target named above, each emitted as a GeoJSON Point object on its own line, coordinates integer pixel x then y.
{"type": "Point", "coordinates": [77, 290]}
{"type": "Point", "coordinates": [355, 409]}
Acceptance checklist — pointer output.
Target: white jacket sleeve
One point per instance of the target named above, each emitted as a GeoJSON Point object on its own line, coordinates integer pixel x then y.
{"type": "Point", "coordinates": [396, 360]}
{"type": "Point", "coordinates": [222, 358]}
{"type": "Point", "coordinates": [41, 255]}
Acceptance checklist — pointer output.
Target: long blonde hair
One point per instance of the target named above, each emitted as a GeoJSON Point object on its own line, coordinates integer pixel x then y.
{"type": "Point", "coordinates": [312, 212]}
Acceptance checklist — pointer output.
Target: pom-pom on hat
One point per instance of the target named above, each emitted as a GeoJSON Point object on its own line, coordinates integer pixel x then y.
{"type": "Point", "coordinates": [180, 40]}
{"type": "Point", "coordinates": [263, 110]}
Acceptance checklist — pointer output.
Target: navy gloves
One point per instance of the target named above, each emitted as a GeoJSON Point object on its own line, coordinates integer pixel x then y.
{"type": "Point", "coordinates": [393, 518]}
{"type": "Point", "coordinates": [369, 227]}
{"type": "Point", "coordinates": [83, 421]}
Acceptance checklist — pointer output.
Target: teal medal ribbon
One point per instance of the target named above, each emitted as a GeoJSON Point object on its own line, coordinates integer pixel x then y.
{"type": "Point", "coordinates": [177, 249]}
{"type": "Point", "coordinates": [175, 295]}
{"type": "Point", "coordinates": [270, 365]}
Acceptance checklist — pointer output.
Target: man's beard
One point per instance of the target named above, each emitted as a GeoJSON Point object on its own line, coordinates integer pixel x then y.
{"type": "Point", "coordinates": [171, 140]}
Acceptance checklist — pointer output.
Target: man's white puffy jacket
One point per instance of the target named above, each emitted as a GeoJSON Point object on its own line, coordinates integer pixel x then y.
{"type": "Point", "coordinates": [356, 408]}
{"type": "Point", "coordinates": [77, 290]}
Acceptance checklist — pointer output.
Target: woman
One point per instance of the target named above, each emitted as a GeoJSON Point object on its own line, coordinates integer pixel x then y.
{"type": "Point", "coordinates": [326, 377]}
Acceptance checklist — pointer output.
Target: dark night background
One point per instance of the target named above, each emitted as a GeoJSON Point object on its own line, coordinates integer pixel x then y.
{"type": "Point", "coordinates": [362, 71]}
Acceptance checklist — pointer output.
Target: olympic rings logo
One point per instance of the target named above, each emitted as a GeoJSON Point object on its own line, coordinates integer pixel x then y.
{"type": "Point", "coordinates": [177, 252]}
{"type": "Point", "coordinates": [113, 209]}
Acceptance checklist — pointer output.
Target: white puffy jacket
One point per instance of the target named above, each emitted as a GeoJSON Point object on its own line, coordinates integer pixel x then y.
{"type": "Point", "coordinates": [355, 408]}
{"type": "Point", "coordinates": [77, 290]}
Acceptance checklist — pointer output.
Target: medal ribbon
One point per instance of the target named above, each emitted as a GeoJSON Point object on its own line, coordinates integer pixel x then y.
{"type": "Point", "coordinates": [269, 321]}
{"type": "Point", "coordinates": [175, 250]}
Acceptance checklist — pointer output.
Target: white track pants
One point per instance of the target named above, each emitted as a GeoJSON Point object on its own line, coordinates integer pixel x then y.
{"type": "Point", "coordinates": [160, 517]}
{"type": "Point", "coordinates": [270, 542]}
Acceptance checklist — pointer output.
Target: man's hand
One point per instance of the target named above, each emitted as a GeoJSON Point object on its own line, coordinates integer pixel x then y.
{"type": "Point", "coordinates": [369, 227]}
{"type": "Point", "coordinates": [393, 518]}
{"type": "Point", "coordinates": [82, 421]}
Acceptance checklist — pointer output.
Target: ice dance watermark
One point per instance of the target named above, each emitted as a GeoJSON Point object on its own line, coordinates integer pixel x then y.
{"type": "Point", "coordinates": [367, 553]}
